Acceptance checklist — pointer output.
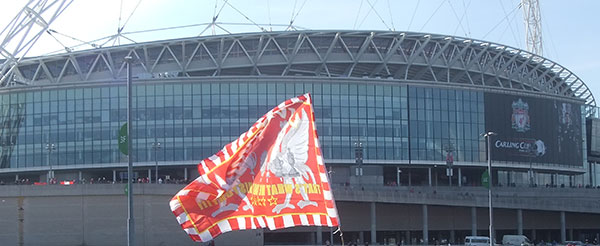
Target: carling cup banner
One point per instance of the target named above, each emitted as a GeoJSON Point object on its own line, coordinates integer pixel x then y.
{"type": "Point", "coordinates": [272, 176]}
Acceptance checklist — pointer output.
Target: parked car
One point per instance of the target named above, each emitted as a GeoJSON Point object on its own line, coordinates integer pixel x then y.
{"type": "Point", "coordinates": [477, 241]}
{"type": "Point", "coordinates": [573, 243]}
{"type": "Point", "coordinates": [516, 240]}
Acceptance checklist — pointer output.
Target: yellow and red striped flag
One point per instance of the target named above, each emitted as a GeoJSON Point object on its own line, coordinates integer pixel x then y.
{"type": "Point", "coordinates": [272, 176]}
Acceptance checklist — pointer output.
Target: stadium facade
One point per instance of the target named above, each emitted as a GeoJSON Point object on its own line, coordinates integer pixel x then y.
{"type": "Point", "coordinates": [414, 105]}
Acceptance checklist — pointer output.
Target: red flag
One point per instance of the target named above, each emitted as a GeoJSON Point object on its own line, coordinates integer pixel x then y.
{"type": "Point", "coordinates": [272, 176]}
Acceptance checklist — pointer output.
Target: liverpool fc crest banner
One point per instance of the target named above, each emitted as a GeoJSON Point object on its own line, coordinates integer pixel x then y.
{"type": "Point", "coordinates": [272, 176]}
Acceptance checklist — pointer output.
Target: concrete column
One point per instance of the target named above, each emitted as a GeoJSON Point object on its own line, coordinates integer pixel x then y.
{"type": "Point", "coordinates": [519, 221]}
{"type": "Point", "coordinates": [571, 234]}
{"type": "Point", "coordinates": [425, 225]}
{"type": "Point", "coordinates": [114, 175]}
{"type": "Point", "coordinates": [409, 177]}
{"type": "Point", "coordinates": [16, 177]}
{"type": "Point", "coordinates": [533, 235]}
{"type": "Point", "coordinates": [80, 175]}
{"type": "Point", "coordinates": [185, 173]}
{"type": "Point", "coordinates": [373, 224]}
{"type": "Point", "coordinates": [452, 235]}
{"type": "Point", "coordinates": [361, 237]}
{"type": "Point", "coordinates": [473, 221]}
{"type": "Point", "coordinates": [459, 177]}
{"type": "Point", "coordinates": [150, 175]}
{"type": "Point", "coordinates": [398, 176]}
{"type": "Point", "coordinates": [319, 235]}
{"type": "Point", "coordinates": [429, 175]}
{"type": "Point", "coordinates": [563, 232]}
{"type": "Point", "coordinates": [407, 239]}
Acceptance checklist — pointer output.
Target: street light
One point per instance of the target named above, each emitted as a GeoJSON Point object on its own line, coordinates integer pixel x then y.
{"type": "Point", "coordinates": [130, 218]}
{"type": "Point", "coordinates": [155, 147]}
{"type": "Point", "coordinates": [489, 135]}
{"type": "Point", "coordinates": [49, 147]}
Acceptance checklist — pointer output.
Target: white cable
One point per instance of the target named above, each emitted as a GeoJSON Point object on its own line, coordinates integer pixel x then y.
{"type": "Point", "coordinates": [434, 12]}
{"type": "Point", "coordinates": [413, 16]}
{"type": "Point", "coordinates": [493, 28]}
{"type": "Point", "coordinates": [367, 15]}
{"type": "Point", "coordinates": [132, 12]}
{"type": "Point", "coordinates": [358, 14]}
{"type": "Point", "coordinates": [247, 18]}
{"type": "Point", "coordinates": [391, 16]}
{"type": "Point", "coordinates": [269, 14]}
{"type": "Point", "coordinates": [509, 24]}
{"type": "Point", "coordinates": [377, 13]}
{"type": "Point", "coordinates": [120, 15]}
{"type": "Point", "coordinates": [459, 21]}
{"type": "Point", "coordinates": [467, 16]}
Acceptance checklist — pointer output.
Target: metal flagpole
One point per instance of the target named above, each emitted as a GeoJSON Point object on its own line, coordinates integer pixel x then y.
{"type": "Point", "coordinates": [130, 222]}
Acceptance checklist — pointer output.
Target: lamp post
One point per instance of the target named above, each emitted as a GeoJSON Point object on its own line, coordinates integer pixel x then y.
{"type": "Point", "coordinates": [155, 147]}
{"type": "Point", "coordinates": [489, 135]}
{"type": "Point", "coordinates": [130, 219]}
{"type": "Point", "coordinates": [49, 147]}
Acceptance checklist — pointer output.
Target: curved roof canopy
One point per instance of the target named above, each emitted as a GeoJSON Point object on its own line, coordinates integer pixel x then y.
{"type": "Point", "coordinates": [405, 56]}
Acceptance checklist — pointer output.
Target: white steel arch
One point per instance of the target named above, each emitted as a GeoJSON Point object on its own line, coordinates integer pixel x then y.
{"type": "Point", "coordinates": [24, 30]}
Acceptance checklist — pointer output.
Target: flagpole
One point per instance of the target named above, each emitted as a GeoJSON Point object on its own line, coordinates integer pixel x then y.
{"type": "Point", "coordinates": [130, 222]}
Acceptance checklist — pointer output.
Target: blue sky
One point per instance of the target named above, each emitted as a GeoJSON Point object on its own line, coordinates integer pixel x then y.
{"type": "Point", "coordinates": [570, 29]}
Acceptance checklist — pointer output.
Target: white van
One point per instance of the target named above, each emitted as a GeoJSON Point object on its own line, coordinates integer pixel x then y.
{"type": "Point", "coordinates": [516, 240]}
{"type": "Point", "coordinates": [477, 241]}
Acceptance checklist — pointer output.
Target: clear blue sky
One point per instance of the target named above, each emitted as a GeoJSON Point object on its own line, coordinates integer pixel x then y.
{"type": "Point", "coordinates": [570, 29]}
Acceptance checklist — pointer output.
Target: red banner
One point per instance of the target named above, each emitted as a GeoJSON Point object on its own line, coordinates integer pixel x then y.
{"type": "Point", "coordinates": [272, 176]}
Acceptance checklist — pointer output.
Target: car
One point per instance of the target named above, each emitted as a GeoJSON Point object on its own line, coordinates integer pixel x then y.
{"type": "Point", "coordinates": [573, 243]}
{"type": "Point", "coordinates": [477, 241]}
{"type": "Point", "coordinates": [516, 240]}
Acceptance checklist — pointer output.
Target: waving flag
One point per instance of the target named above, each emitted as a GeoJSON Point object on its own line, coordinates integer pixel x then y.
{"type": "Point", "coordinates": [272, 176]}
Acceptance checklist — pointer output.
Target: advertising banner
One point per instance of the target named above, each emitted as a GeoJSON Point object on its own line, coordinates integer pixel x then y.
{"type": "Point", "coordinates": [534, 129]}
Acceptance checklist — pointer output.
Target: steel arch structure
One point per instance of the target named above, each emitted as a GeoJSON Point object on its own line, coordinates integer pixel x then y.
{"type": "Point", "coordinates": [406, 56]}
{"type": "Point", "coordinates": [17, 38]}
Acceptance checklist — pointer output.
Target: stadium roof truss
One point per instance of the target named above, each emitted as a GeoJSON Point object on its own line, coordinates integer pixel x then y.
{"type": "Point", "coordinates": [391, 55]}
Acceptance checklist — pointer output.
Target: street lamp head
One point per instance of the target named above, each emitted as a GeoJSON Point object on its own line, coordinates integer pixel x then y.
{"type": "Point", "coordinates": [488, 134]}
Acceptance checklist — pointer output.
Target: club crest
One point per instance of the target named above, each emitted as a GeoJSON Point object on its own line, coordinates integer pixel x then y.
{"type": "Point", "coordinates": [520, 116]}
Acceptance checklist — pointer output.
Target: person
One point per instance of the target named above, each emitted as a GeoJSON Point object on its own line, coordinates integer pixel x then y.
{"type": "Point", "coordinates": [160, 181]}
{"type": "Point", "coordinates": [327, 243]}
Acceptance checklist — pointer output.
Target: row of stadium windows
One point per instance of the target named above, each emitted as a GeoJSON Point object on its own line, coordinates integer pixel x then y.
{"type": "Point", "coordinates": [83, 122]}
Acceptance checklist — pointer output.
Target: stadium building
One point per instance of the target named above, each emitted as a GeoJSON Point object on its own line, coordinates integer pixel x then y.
{"type": "Point", "coordinates": [400, 117]}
